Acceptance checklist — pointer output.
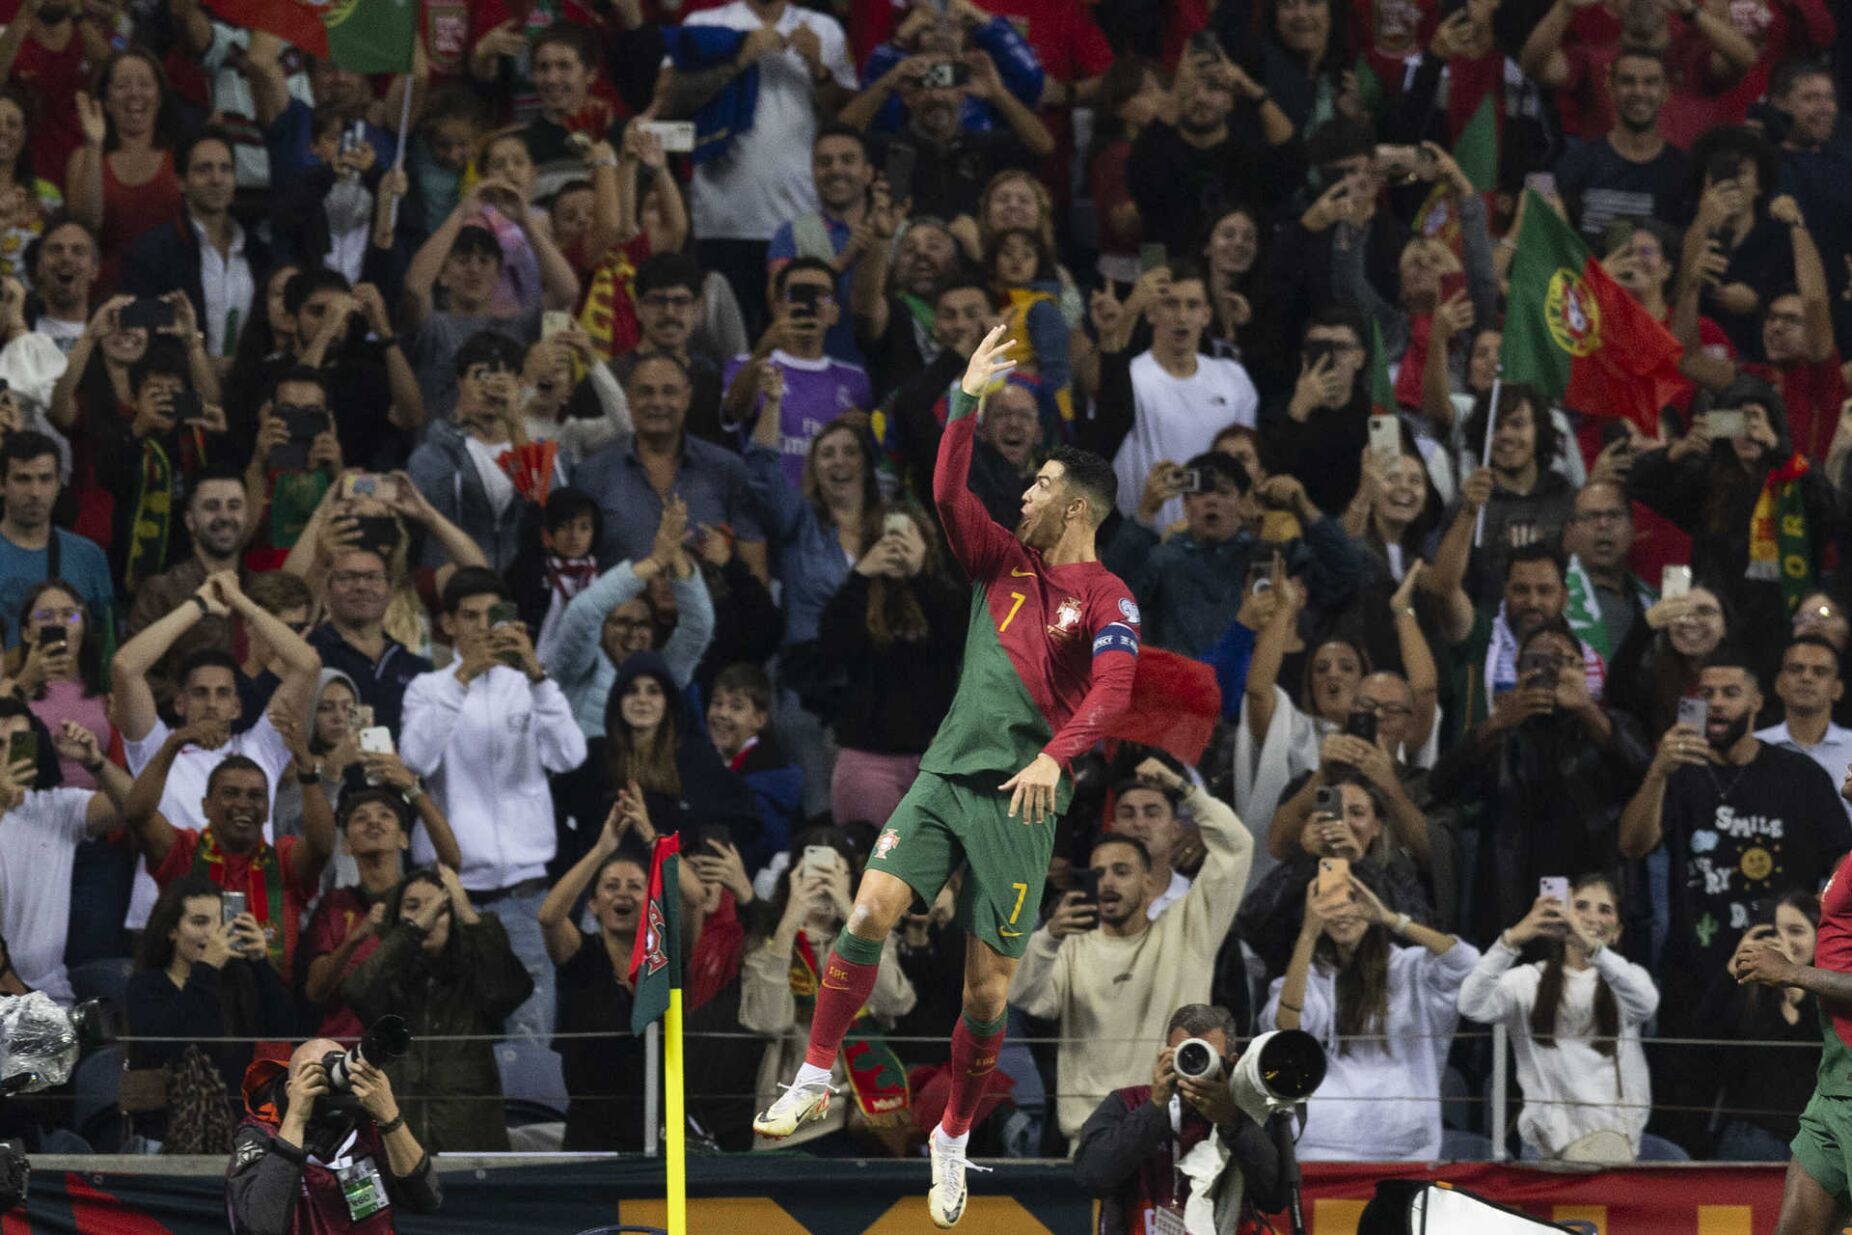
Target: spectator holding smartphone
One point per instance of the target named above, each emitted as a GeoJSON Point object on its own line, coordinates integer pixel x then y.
{"type": "Point", "coordinates": [1385, 1015]}
{"type": "Point", "coordinates": [1575, 1022]}
{"type": "Point", "coordinates": [201, 974]}
{"type": "Point", "coordinates": [1761, 1091]}
{"type": "Point", "coordinates": [1105, 968]}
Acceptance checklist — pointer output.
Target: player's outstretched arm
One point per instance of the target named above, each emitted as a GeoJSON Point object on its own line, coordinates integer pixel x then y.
{"type": "Point", "coordinates": [973, 536]}
{"type": "Point", "coordinates": [1770, 966]}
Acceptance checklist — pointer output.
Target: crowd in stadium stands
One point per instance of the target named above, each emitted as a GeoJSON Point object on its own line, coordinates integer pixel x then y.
{"type": "Point", "coordinates": [405, 523]}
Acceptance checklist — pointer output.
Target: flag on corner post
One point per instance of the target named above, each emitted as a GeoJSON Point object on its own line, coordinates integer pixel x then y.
{"type": "Point", "coordinates": [1576, 335]}
{"type": "Point", "coordinates": [656, 958]}
{"type": "Point", "coordinates": [364, 36]}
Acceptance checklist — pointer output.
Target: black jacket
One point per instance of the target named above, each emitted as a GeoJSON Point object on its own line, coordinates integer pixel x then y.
{"type": "Point", "coordinates": [166, 257]}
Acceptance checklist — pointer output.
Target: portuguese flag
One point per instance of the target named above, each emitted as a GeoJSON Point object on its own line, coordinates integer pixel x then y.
{"type": "Point", "coordinates": [656, 959]}
{"type": "Point", "coordinates": [1578, 336]}
{"type": "Point", "coordinates": [365, 36]}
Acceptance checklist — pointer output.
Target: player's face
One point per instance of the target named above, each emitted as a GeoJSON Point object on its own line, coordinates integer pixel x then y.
{"type": "Point", "coordinates": [1044, 508]}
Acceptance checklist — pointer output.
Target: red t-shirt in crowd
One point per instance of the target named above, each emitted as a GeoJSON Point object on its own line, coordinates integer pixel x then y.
{"type": "Point", "coordinates": [339, 914]}
{"type": "Point", "coordinates": [239, 873]}
{"type": "Point", "coordinates": [1812, 392]}
{"type": "Point", "coordinates": [52, 79]}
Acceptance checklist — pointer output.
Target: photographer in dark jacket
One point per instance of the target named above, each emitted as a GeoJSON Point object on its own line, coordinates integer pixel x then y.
{"type": "Point", "coordinates": [1144, 1147]}
{"type": "Point", "coordinates": [308, 1159]}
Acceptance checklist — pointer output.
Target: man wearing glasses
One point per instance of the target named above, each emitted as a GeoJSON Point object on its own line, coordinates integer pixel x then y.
{"type": "Point", "coordinates": [1606, 599]}
{"type": "Point", "coordinates": [354, 638]}
{"type": "Point", "coordinates": [670, 306]}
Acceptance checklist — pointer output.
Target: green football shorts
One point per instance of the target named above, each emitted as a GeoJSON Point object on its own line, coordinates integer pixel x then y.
{"type": "Point", "coordinates": [946, 820]}
{"type": "Point", "coordinates": [1823, 1146]}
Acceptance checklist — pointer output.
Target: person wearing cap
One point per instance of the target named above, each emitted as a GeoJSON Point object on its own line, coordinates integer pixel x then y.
{"type": "Point", "coordinates": [376, 824]}
{"type": "Point", "coordinates": [467, 265]}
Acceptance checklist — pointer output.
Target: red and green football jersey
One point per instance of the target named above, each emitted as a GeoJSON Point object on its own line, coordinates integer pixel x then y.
{"type": "Point", "coordinates": [1051, 650]}
{"type": "Point", "coordinates": [1832, 949]}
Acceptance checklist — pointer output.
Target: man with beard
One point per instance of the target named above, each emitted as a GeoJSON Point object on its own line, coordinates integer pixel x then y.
{"type": "Point", "coordinates": [833, 232]}
{"type": "Point", "coordinates": [1108, 971]}
{"type": "Point", "coordinates": [217, 526]}
{"type": "Point", "coordinates": [1632, 171]}
{"type": "Point", "coordinates": [205, 252]}
{"type": "Point", "coordinates": [1808, 686]}
{"type": "Point", "coordinates": [1743, 821]}
{"type": "Point", "coordinates": [1606, 599]}
{"type": "Point", "coordinates": [1049, 659]}
{"type": "Point", "coordinates": [278, 881]}
{"type": "Point", "coordinates": [894, 291]}
{"type": "Point", "coordinates": [1215, 156]}
{"type": "Point", "coordinates": [63, 266]}
{"type": "Point", "coordinates": [1570, 49]}
{"type": "Point", "coordinates": [951, 164]}
{"type": "Point", "coordinates": [1484, 644]}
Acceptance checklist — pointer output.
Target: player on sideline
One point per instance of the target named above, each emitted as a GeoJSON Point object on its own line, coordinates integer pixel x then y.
{"type": "Point", "coordinates": [1816, 1197]}
{"type": "Point", "coordinates": [1048, 664]}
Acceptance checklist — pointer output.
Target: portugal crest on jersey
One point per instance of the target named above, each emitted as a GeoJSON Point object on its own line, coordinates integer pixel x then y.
{"type": "Point", "coordinates": [1067, 619]}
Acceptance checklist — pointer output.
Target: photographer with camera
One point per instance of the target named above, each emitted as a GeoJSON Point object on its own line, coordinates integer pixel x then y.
{"type": "Point", "coordinates": [1180, 1144]}
{"type": "Point", "coordinates": [324, 1148]}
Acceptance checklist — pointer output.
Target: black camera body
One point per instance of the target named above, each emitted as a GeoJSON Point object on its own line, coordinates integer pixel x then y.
{"type": "Point", "coordinates": [386, 1039]}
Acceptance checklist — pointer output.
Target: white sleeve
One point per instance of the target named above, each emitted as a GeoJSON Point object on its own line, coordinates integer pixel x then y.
{"type": "Point", "coordinates": [835, 53]}
{"type": "Point", "coordinates": [138, 751]}
{"type": "Point", "coordinates": [562, 744]}
{"type": "Point", "coordinates": [62, 812]}
{"type": "Point", "coordinates": [1632, 986]}
{"type": "Point", "coordinates": [432, 703]}
{"type": "Point", "coordinates": [1488, 995]}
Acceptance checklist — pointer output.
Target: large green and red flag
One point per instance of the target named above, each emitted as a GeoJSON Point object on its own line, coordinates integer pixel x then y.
{"type": "Point", "coordinates": [366, 36]}
{"type": "Point", "coordinates": [656, 958]}
{"type": "Point", "coordinates": [1576, 335]}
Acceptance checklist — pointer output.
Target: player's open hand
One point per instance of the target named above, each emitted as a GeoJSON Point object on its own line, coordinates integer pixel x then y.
{"type": "Point", "coordinates": [988, 361]}
{"type": "Point", "coordinates": [1033, 789]}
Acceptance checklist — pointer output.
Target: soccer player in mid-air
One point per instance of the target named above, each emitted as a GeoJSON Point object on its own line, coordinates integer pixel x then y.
{"type": "Point", "coordinates": [1817, 1196]}
{"type": "Point", "coordinates": [1048, 664]}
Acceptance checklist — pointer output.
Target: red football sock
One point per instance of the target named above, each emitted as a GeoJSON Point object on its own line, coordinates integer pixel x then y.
{"type": "Point", "coordinates": [974, 1058]}
{"type": "Point", "coordinates": [842, 991]}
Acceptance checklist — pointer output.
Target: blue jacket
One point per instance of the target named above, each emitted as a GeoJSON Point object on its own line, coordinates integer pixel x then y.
{"type": "Point", "coordinates": [580, 665]}
{"type": "Point", "coordinates": [446, 475]}
{"type": "Point", "coordinates": [1022, 74]}
{"type": "Point", "coordinates": [811, 565]}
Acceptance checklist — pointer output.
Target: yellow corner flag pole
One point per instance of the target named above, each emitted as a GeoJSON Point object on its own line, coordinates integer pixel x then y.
{"type": "Point", "coordinates": [675, 1126]}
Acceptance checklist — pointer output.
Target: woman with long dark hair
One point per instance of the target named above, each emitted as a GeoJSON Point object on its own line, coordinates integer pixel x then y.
{"type": "Point", "coordinates": [1575, 1022]}
{"type": "Point", "coordinates": [201, 976]}
{"type": "Point", "coordinates": [1523, 498]}
{"type": "Point", "coordinates": [1648, 676]}
{"type": "Point", "coordinates": [1231, 254]}
{"type": "Point", "coordinates": [449, 972]}
{"type": "Point", "coordinates": [1131, 96]}
{"type": "Point", "coordinates": [1763, 1088]}
{"type": "Point", "coordinates": [651, 741]}
{"type": "Point", "coordinates": [896, 626]}
{"type": "Point", "coordinates": [1385, 1015]}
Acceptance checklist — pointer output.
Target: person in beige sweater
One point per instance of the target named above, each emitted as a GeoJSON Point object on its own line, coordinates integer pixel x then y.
{"type": "Point", "coordinates": [1110, 974]}
{"type": "Point", "coordinates": [777, 986]}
